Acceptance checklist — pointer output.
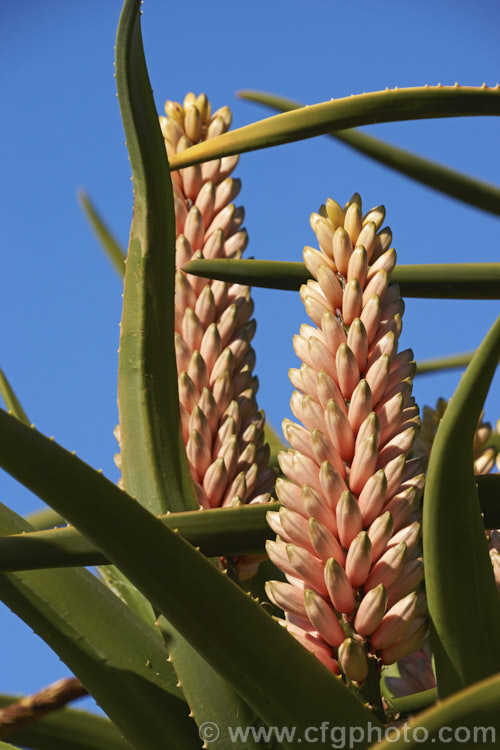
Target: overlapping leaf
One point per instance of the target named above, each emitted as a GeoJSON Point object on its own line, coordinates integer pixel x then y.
{"type": "Point", "coordinates": [68, 729]}
{"type": "Point", "coordinates": [263, 668]}
{"type": "Point", "coordinates": [441, 281]}
{"type": "Point", "coordinates": [362, 109]}
{"type": "Point", "coordinates": [468, 719]}
{"type": "Point", "coordinates": [461, 592]}
{"type": "Point", "coordinates": [218, 532]}
{"type": "Point", "coordinates": [153, 458]}
{"type": "Point", "coordinates": [91, 630]}
{"type": "Point", "coordinates": [436, 176]}
{"type": "Point", "coordinates": [10, 399]}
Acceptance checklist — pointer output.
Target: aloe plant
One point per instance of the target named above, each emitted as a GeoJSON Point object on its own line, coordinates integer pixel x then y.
{"type": "Point", "coordinates": [174, 636]}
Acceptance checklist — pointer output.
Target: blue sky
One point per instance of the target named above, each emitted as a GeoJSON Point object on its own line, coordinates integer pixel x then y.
{"type": "Point", "coordinates": [59, 298]}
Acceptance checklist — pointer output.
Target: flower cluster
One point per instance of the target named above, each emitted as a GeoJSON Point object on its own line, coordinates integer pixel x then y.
{"type": "Point", "coordinates": [222, 426]}
{"type": "Point", "coordinates": [348, 532]}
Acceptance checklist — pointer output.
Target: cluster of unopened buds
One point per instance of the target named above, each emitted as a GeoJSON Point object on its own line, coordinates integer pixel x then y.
{"type": "Point", "coordinates": [348, 534]}
{"type": "Point", "coordinates": [222, 426]}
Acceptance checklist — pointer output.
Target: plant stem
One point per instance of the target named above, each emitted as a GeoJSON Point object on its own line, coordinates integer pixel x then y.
{"type": "Point", "coordinates": [370, 691]}
{"type": "Point", "coordinates": [33, 707]}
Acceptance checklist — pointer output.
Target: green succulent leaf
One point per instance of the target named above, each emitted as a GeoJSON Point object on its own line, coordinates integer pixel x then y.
{"type": "Point", "coordinates": [68, 729]}
{"type": "Point", "coordinates": [438, 177]}
{"type": "Point", "coordinates": [451, 362]}
{"type": "Point", "coordinates": [7, 746]}
{"type": "Point", "coordinates": [269, 274]}
{"type": "Point", "coordinates": [220, 532]}
{"type": "Point", "coordinates": [363, 109]}
{"type": "Point", "coordinates": [91, 630]}
{"type": "Point", "coordinates": [208, 609]}
{"type": "Point", "coordinates": [45, 518]}
{"type": "Point", "coordinates": [211, 698]}
{"type": "Point", "coordinates": [469, 718]}
{"type": "Point", "coordinates": [124, 590]}
{"type": "Point", "coordinates": [11, 401]}
{"type": "Point", "coordinates": [441, 281]}
{"type": "Point", "coordinates": [153, 458]}
{"type": "Point", "coordinates": [457, 564]}
{"type": "Point", "coordinates": [109, 243]}
{"type": "Point", "coordinates": [410, 704]}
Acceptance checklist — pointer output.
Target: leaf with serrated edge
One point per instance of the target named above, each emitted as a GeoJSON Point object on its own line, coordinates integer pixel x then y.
{"type": "Point", "coordinates": [210, 611]}
{"type": "Point", "coordinates": [11, 401]}
{"type": "Point", "coordinates": [68, 729]}
{"type": "Point", "coordinates": [452, 722]}
{"type": "Point", "coordinates": [439, 281]}
{"type": "Point", "coordinates": [91, 631]}
{"type": "Point", "coordinates": [461, 592]}
{"type": "Point", "coordinates": [362, 109]}
{"type": "Point", "coordinates": [153, 457]}
{"type": "Point", "coordinates": [211, 698]}
{"type": "Point", "coordinates": [220, 532]}
{"type": "Point", "coordinates": [441, 178]}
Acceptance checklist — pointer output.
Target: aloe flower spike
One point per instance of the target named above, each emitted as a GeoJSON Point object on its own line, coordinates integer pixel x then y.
{"type": "Point", "coordinates": [350, 532]}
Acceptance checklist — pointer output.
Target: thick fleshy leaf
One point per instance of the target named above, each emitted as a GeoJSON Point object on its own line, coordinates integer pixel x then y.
{"type": "Point", "coordinates": [45, 518]}
{"type": "Point", "coordinates": [109, 243]}
{"type": "Point", "coordinates": [91, 630]}
{"type": "Point", "coordinates": [362, 109]}
{"type": "Point", "coordinates": [124, 590]}
{"type": "Point", "coordinates": [451, 362]}
{"type": "Point", "coordinates": [221, 532]}
{"type": "Point", "coordinates": [7, 746]}
{"type": "Point", "coordinates": [269, 274]}
{"type": "Point", "coordinates": [446, 180]}
{"type": "Point", "coordinates": [411, 704]}
{"type": "Point", "coordinates": [153, 458]}
{"type": "Point", "coordinates": [207, 608]}
{"type": "Point", "coordinates": [440, 281]}
{"type": "Point", "coordinates": [10, 399]}
{"type": "Point", "coordinates": [469, 718]}
{"type": "Point", "coordinates": [212, 700]}
{"type": "Point", "coordinates": [68, 729]}
{"type": "Point", "coordinates": [461, 592]}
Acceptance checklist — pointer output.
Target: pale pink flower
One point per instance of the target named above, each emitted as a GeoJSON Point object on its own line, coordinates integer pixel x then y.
{"type": "Point", "coordinates": [415, 674]}
{"type": "Point", "coordinates": [348, 534]}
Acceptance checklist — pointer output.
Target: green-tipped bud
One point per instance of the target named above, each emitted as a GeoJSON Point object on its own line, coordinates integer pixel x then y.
{"type": "Point", "coordinates": [353, 661]}
{"type": "Point", "coordinates": [371, 611]}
